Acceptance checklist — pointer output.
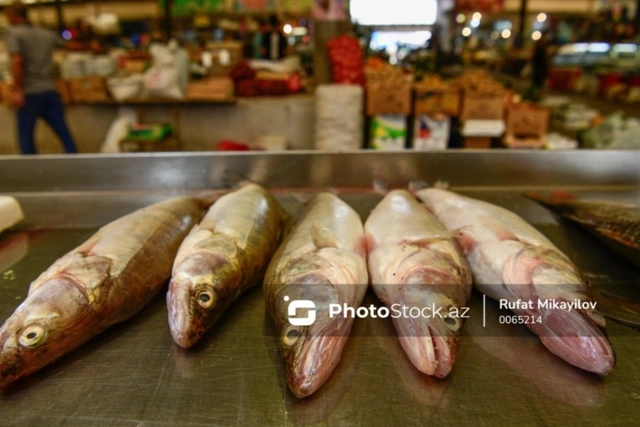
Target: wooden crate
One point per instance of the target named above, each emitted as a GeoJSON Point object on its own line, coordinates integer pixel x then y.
{"type": "Point", "coordinates": [88, 89]}
{"type": "Point", "coordinates": [527, 120]}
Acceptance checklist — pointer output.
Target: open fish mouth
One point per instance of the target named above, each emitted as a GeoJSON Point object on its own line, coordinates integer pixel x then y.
{"type": "Point", "coordinates": [576, 338]}
{"type": "Point", "coordinates": [430, 349]}
{"type": "Point", "coordinates": [311, 367]}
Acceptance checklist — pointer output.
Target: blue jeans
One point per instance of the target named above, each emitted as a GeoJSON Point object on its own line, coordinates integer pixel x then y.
{"type": "Point", "coordinates": [48, 106]}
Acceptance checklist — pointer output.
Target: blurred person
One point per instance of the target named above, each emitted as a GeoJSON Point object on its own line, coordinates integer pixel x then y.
{"type": "Point", "coordinates": [257, 44]}
{"type": "Point", "coordinates": [34, 93]}
{"type": "Point", "coordinates": [274, 41]}
{"type": "Point", "coordinates": [540, 65]}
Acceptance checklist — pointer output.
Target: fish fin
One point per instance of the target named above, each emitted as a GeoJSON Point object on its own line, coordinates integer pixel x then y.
{"type": "Point", "coordinates": [614, 236]}
{"type": "Point", "coordinates": [465, 240]}
{"type": "Point", "coordinates": [427, 241]}
{"type": "Point", "coordinates": [501, 232]}
{"type": "Point", "coordinates": [90, 271]}
{"type": "Point", "coordinates": [380, 186]}
{"type": "Point", "coordinates": [417, 185]}
{"type": "Point", "coordinates": [322, 238]}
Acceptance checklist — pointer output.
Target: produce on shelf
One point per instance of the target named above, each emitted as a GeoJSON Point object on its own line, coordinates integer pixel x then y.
{"type": "Point", "coordinates": [347, 60]}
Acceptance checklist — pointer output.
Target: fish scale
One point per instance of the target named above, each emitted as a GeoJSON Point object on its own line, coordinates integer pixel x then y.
{"type": "Point", "coordinates": [512, 261]}
{"type": "Point", "coordinates": [617, 225]}
{"type": "Point", "coordinates": [104, 281]}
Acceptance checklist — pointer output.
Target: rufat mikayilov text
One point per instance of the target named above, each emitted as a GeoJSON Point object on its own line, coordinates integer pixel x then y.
{"type": "Point", "coordinates": [547, 304]}
{"type": "Point", "coordinates": [397, 311]}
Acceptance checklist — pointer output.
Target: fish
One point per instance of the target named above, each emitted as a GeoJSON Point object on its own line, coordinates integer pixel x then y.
{"type": "Point", "coordinates": [514, 263]}
{"type": "Point", "coordinates": [106, 280]}
{"type": "Point", "coordinates": [321, 261]}
{"type": "Point", "coordinates": [615, 224]}
{"type": "Point", "coordinates": [414, 262]}
{"type": "Point", "coordinates": [223, 257]}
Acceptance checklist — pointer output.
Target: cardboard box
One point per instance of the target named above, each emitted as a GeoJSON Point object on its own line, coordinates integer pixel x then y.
{"type": "Point", "coordinates": [388, 132]}
{"type": "Point", "coordinates": [88, 89]}
{"type": "Point", "coordinates": [477, 142]}
{"type": "Point", "coordinates": [432, 132]}
{"type": "Point", "coordinates": [437, 102]}
{"type": "Point", "coordinates": [482, 107]}
{"type": "Point", "coordinates": [212, 89]}
{"type": "Point", "coordinates": [527, 120]}
{"type": "Point", "coordinates": [389, 100]}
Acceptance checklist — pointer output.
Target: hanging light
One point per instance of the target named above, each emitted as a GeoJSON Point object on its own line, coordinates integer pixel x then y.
{"type": "Point", "coordinates": [506, 34]}
{"type": "Point", "coordinates": [466, 31]}
{"type": "Point", "coordinates": [536, 35]}
{"type": "Point", "coordinates": [541, 17]}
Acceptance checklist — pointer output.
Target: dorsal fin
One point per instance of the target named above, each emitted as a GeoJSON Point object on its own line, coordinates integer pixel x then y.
{"type": "Point", "coordinates": [322, 238]}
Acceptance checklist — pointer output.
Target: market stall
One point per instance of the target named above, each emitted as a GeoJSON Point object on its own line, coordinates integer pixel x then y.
{"type": "Point", "coordinates": [134, 373]}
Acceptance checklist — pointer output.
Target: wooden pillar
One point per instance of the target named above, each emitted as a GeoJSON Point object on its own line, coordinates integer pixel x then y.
{"type": "Point", "coordinates": [59, 16]}
{"type": "Point", "coordinates": [519, 41]}
{"type": "Point", "coordinates": [167, 23]}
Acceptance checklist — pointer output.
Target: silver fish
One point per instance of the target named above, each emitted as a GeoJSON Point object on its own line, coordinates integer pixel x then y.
{"type": "Point", "coordinates": [415, 263]}
{"type": "Point", "coordinates": [322, 261]}
{"type": "Point", "coordinates": [513, 262]}
{"type": "Point", "coordinates": [222, 257]}
{"type": "Point", "coordinates": [104, 281]}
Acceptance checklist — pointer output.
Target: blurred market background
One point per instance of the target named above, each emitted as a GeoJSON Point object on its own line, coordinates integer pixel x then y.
{"type": "Point", "coordinates": [202, 75]}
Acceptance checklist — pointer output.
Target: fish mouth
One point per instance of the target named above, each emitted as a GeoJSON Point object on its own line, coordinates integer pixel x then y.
{"type": "Point", "coordinates": [186, 323]}
{"type": "Point", "coordinates": [314, 364]}
{"type": "Point", "coordinates": [430, 348]}
{"type": "Point", "coordinates": [574, 337]}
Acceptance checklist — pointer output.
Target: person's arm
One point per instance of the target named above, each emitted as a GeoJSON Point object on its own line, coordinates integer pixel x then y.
{"type": "Point", "coordinates": [16, 66]}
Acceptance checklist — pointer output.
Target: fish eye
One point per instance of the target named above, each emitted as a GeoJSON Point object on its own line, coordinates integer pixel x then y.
{"type": "Point", "coordinates": [31, 336]}
{"type": "Point", "coordinates": [206, 298]}
{"type": "Point", "coordinates": [452, 323]}
{"type": "Point", "coordinates": [290, 336]}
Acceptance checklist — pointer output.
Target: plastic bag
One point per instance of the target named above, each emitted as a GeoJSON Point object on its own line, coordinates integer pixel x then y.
{"type": "Point", "coordinates": [118, 130]}
{"type": "Point", "coordinates": [162, 79]}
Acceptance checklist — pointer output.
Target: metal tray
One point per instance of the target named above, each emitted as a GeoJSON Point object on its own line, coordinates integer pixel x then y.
{"type": "Point", "coordinates": [134, 375]}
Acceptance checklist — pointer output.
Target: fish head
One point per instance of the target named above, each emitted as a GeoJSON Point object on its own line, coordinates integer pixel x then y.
{"type": "Point", "coordinates": [577, 335]}
{"type": "Point", "coordinates": [44, 327]}
{"type": "Point", "coordinates": [310, 338]}
{"type": "Point", "coordinates": [430, 327]}
{"type": "Point", "coordinates": [197, 297]}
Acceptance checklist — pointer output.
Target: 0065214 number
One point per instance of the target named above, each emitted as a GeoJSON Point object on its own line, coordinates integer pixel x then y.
{"type": "Point", "coordinates": [519, 320]}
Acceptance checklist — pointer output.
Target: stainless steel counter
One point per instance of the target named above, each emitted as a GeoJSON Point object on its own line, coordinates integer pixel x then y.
{"type": "Point", "coordinates": [133, 375]}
